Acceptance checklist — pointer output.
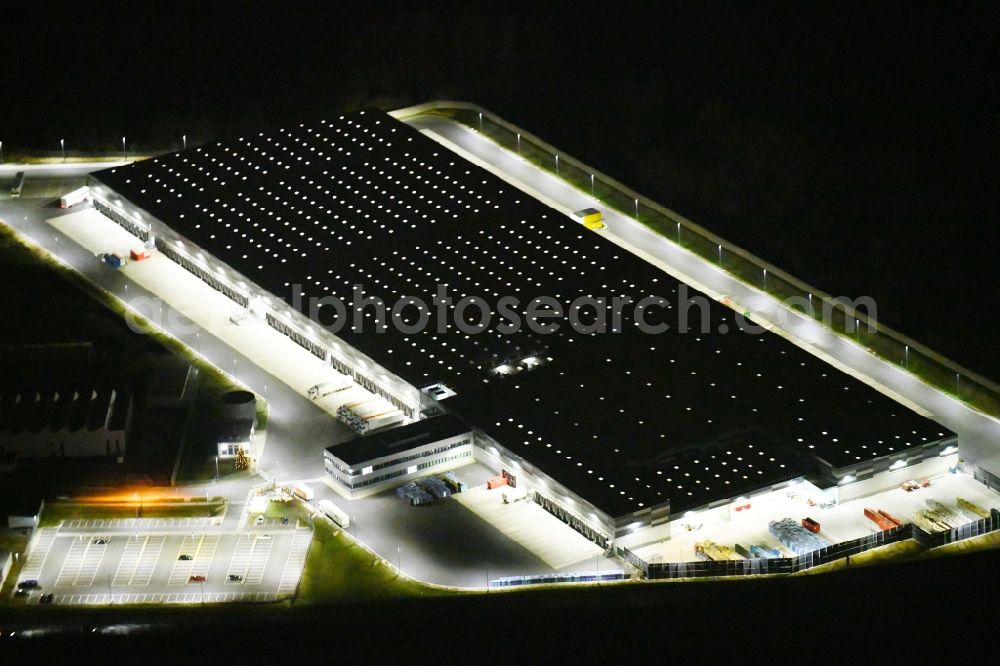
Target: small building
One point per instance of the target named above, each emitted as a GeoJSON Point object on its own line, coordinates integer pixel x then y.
{"type": "Point", "coordinates": [22, 509]}
{"type": "Point", "coordinates": [58, 401]}
{"type": "Point", "coordinates": [233, 435]}
{"type": "Point", "coordinates": [367, 465]}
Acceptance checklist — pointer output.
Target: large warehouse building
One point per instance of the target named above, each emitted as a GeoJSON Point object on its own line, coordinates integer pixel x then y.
{"type": "Point", "coordinates": [613, 432]}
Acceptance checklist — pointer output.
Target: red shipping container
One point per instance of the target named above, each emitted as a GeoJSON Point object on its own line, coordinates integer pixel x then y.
{"type": "Point", "coordinates": [880, 520]}
{"type": "Point", "coordinates": [810, 525]}
{"type": "Point", "coordinates": [139, 255]}
{"type": "Point", "coordinates": [496, 482]}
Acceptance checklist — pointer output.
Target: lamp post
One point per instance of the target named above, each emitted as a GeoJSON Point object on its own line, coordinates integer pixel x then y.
{"type": "Point", "coordinates": [124, 153]}
{"type": "Point", "coordinates": [636, 209]}
{"type": "Point", "coordinates": [399, 563]}
{"type": "Point", "coordinates": [62, 147]}
{"type": "Point", "coordinates": [216, 468]}
{"type": "Point", "coordinates": [184, 140]}
{"type": "Point", "coordinates": [1, 152]}
{"type": "Point", "coordinates": [518, 143]}
{"type": "Point", "coordinates": [592, 185]}
{"type": "Point", "coordinates": [720, 254]}
{"type": "Point", "coordinates": [557, 165]}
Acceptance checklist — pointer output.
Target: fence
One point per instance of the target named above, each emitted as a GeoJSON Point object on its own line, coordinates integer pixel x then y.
{"type": "Point", "coordinates": [891, 346]}
{"type": "Point", "coordinates": [787, 565]}
{"type": "Point", "coordinates": [544, 579]}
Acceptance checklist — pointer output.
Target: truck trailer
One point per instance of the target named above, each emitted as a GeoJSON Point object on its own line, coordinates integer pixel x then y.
{"type": "Point", "coordinates": [77, 196]}
{"type": "Point", "coordinates": [334, 513]}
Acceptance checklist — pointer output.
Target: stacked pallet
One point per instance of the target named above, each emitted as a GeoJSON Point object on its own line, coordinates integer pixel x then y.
{"type": "Point", "coordinates": [709, 550]}
{"type": "Point", "coordinates": [796, 538]}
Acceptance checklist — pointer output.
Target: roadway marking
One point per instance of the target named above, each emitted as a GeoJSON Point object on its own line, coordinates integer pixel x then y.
{"type": "Point", "coordinates": [206, 553]}
{"type": "Point", "coordinates": [38, 555]}
{"type": "Point", "coordinates": [160, 598]}
{"type": "Point", "coordinates": [182, 569]}
{"type": "Point", "coordinates": [74, 559]}
{"type": "Point", "coordinates": [241, 558]}
{"type": "Point", "coordinates": [130, 558]}
{"type": "Point", "coordinates": [147, 560]}
{"type": "Point", "coordinates": [133, 524]}
{"type": "Point", "coordinates": [258, 561]}
{"type": "Point", "coordinates": [92, 558]}
{"type": "Point", "coordinates": [292, 572]}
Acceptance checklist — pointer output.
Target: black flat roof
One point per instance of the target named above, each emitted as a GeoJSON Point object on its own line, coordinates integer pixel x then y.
{"type": "Point", "coordinates": [397, 440]}
{"type": "Point", "coordinates": [626, 420]}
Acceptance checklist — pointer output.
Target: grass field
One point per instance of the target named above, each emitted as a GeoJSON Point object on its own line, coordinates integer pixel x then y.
{"type": "Point", "coordinates": [338, 569]}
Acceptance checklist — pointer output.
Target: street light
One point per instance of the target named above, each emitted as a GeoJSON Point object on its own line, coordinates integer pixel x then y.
{"type": "Point", "coordinates": [124, 154]}
{"type": "Point", "coordinates": [62, 147]}
{"type": "Point", "coordinates": [216, 468]}
{"type": "Point", "coordinates": [184, 139]}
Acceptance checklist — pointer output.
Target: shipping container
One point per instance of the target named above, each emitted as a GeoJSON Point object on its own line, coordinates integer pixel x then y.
{"type": "Point", "coordinates": [810, 525]}
{"type": "Point", "coordinates": [114, 260]}
{"type": "Point", "coordinates": [140, 254]}
{"type": "Point", "coordinates": [880, 520]}
{"type": "Point", "coordinates": [496, 482]}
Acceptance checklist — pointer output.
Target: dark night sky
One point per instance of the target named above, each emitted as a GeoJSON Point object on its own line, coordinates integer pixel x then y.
{"type": "Point", "coordinates": [858, 150]}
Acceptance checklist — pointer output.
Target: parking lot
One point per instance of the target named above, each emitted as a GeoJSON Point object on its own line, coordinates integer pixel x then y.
{"type": "Point", "coordinates": [88, 562]}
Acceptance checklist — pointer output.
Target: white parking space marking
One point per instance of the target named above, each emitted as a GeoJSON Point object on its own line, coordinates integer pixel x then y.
{"type": "Point", "coordinates": [134, 524]}
{"type": "Point", "coordinates": [258, 561]}
{"type": "Point", "coordinates": [91, 563]}
{"type": "Point", "coordinates": [71, 565]}
{"type": "Point", "coordinates": [147, 560]}
{"type": "Point", "coordinates": [296, 559]}
{"type": "Point", "coordinates": [182, 569]}
{"type": "Point", "coordinates": [241, 557]}
{"type": "Point", "coordinates": [130, 558]}
{"type": "Point", "coordinates": [39, 553]}
{"type": "Point", "coordinates": [206, 553]}
{"type": "Point", "coordinates": [169, 598]}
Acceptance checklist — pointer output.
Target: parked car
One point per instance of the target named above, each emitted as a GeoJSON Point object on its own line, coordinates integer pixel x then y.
{"type": "Point", "coordinates": [101, 542]}
{"type": "Point", "coordinates": [260, 520]}
{"type": "Point", "coordinates": [235, 578]}
{"type": "Point", "coordinates": [185, 558]}
{"type": "Point", "coordinates": [196, 579]}
{"type": "Point", "coordinates": [46, 599]}
{"type": "Point", "coordinates": [263, 536]}
{"type": "Point", "coordinates": [28, 584]}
